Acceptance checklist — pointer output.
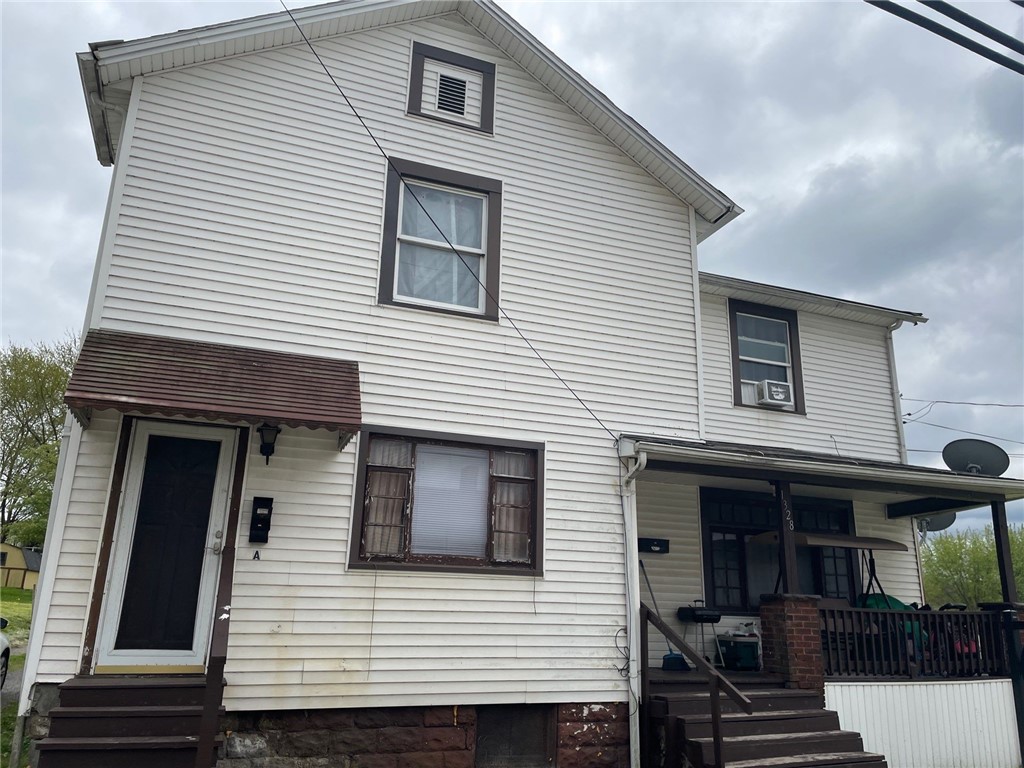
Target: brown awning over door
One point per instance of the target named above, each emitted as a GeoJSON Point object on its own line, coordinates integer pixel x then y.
{"type": "Point", "coordinates": [175, 377]}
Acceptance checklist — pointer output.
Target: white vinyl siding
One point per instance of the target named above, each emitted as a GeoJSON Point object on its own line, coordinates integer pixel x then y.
{"type": "Point", "coordinates": [308, 633]}
{"type": "Point", "coordinates": [934, 724]}
{"type": "Point", "coordinates": [252, 214]}
{"type": "Point", "coordinates": [898, 571]}
{"type": "Point", "coordinates": [249, 184]}
{"type": "Point", "coordinates": [846, 384]}
{"type": "Point", "coordinates": [65, 619]}
{"type": "Point", "coordinates": [668, 507]}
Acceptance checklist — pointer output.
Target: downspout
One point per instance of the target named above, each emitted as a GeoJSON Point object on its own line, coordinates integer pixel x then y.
{"type": "Point", "coordinates": [897, 404]}
{"type": "Point", "coordinates": [632, 558]}
{"type": "Point", "coordinates": [97, 100]}
{"type": "Point", "coordinates": [902, 439]}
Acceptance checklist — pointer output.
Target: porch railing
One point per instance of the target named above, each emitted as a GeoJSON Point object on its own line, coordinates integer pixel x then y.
{"type": "Point", "coordinates": [717, 683]}
{"type": "Point", "coordinates": [862, 642]}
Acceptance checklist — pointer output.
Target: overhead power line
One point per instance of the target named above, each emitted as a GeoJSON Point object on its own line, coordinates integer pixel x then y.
{"type": "Point", "coordinates": [932, 450]}
{"type": "Point", "coordinates": [963, 402]}
{"type": "Point", "coordinates": [978, 26]}
{"type": "Point", "coordinates": [948, 34]}
{"type": "Point", "coordinates": [966, 432]}
{"type": "Point", "coordinates": [454, 250]}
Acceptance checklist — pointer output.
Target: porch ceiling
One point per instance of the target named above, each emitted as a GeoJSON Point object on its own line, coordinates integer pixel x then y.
{"type": "Point", "coordinates": [133, 372]}
{"type": "Point", "coordinates": [906, 490]}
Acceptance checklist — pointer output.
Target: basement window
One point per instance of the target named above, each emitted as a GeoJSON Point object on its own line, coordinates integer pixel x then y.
{"type": "Point", "coordinates": [452, 88]}
{"type": "Point", "coordinates": [517, 736]}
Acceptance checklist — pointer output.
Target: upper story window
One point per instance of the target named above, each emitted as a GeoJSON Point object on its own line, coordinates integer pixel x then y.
{"type": "Point", "coordinates": [765, 357]}
{"type": "Point", "coordinates": [426, 209]}
{"type": "Point", "coordinates": [452, 88]}
{"type": "Point", "coordinates": [435, 503]}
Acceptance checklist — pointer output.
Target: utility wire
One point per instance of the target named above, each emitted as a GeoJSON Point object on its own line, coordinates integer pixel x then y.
{"type": "Point", "coordinates": [927, 450]}
{"type": "Point", "coordinates": [976, 434]}
{"type": "Point", "coordinates": [409, 189]}
{"type": "Point", "coordinates": [948, 34]}
{"type": "Point", "coordinates": [963, 402]}
{"type": "Point", "coordinates": [972, 23]}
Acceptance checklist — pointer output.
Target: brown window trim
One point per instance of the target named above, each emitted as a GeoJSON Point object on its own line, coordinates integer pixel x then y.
{"type": "Point", "coordinates": [773, 313]}
{"type": "Point", "coordinates": [420, 53]}
{"type": "Point", "coordinates": [709, 494]}
{"type": "Point", "coordinates": [407, 169]}
{"type": "Point", "coordinates": [445, 563]}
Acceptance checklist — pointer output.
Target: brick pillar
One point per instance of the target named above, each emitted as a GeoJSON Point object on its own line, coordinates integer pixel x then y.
{"type": "Point", "coordinates": [791, 640]}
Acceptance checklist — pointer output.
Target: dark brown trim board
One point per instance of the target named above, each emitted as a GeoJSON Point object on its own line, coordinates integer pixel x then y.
{"type": "Point", "coordinates": [775, 313]}
{"type": "Point", "coordinates": [218, 651]}
{"type": "Point", "coordinates": [447, 564]}
{"type": "Point", "coordinates": [218, 643]}
{"type": "Point", "coordinates": [106, 543]}
{"type": "Point", "coordinates": [1004, 557]}
{"type": "Point", "coordinates": [710, 495]}
{"type": "Point", "coordinates": [399, 169]}
{"type": "Point", "coordinates": [420, 53]}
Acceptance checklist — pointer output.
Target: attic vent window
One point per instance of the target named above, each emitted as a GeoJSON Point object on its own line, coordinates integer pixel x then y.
{"type": "Point", "coordinates": [451, 94]}
{"type": "Point", "coordinates": [451, 88]}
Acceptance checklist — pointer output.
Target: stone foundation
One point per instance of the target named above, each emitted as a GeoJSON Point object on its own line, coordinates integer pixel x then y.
{"type": "Point", "coordinates": [586, 736]}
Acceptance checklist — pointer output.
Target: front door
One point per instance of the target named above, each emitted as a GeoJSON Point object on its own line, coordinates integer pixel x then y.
{"type": "Point", "coordinates": [158, 608]}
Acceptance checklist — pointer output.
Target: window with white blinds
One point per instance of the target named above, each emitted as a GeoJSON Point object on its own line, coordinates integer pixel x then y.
{"type": "Point", "coordinates": [439, 502]}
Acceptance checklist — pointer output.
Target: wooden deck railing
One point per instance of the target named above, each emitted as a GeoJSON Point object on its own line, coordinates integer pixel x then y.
{"type": "Point", "coordinates": [717, 683]}
{"type": "Point", "coordinates": [862, 642]}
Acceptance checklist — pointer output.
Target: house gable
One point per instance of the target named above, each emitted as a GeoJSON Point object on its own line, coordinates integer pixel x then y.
{"type": "Point", "coordinates": [108, 66]}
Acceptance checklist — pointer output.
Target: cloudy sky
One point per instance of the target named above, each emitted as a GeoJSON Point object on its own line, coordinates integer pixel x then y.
{"type": "Point", "coordinates": [875, 162]}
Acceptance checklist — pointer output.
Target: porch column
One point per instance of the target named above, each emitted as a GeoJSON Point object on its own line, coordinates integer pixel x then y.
{"type": "Point", "coordinates": [791, 640]}
{"type": "Point", "coordinates": [1003, 558]}
{"type": "Point", "coordinates": [787, 544]}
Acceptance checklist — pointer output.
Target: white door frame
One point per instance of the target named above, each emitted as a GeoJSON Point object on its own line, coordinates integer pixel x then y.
{"type": "Point", "coordinates": [109, 659]}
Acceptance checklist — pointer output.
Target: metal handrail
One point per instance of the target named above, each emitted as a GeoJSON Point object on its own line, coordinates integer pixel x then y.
{"type": "Point", "coordinates": [717, 682]}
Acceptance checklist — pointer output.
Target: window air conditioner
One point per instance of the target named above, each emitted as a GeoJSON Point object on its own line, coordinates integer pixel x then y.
{"type": "Point", "coordinates": [776, 393]}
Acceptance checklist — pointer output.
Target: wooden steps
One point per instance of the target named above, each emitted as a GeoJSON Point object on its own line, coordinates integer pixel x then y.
{"type": "Point", "coordinates": [126, 722]}
{"type": "Point", "coordinates": [789, 728]}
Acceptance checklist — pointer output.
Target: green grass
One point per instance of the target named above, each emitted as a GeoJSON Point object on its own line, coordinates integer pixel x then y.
{"type": "Point", "coordinates": [8, 717]}
{"type": "Point", "coordinates": [16, 607]}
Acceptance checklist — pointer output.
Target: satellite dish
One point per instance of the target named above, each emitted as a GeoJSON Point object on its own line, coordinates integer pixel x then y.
{"type": "Point", "coordinates": [976, 457]}
{"type": "Point", "coordinates": [939, 522]}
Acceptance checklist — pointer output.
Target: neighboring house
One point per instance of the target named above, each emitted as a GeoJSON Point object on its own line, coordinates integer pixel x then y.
{"type": "Point", "coordinates": [312, 456]}
{"type": "Point", "coordinates": [19, 566]}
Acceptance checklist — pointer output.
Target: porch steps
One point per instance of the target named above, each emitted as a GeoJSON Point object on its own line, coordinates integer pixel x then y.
{"type": "Point", "coordinates": [789, 728]}
{"type": "Point", "coordinates": [126, 722]}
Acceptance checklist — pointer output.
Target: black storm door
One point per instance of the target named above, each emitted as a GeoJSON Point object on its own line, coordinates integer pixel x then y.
{"type": "Point", "coordinates": [165, 568]}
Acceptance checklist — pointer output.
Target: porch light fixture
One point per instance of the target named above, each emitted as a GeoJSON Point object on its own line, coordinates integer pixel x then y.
{"type": "Point", "coordinates": [268, 436]}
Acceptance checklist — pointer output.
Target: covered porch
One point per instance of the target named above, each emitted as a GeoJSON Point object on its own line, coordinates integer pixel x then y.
{"type": "Point", "coordinates": [813, 560]}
